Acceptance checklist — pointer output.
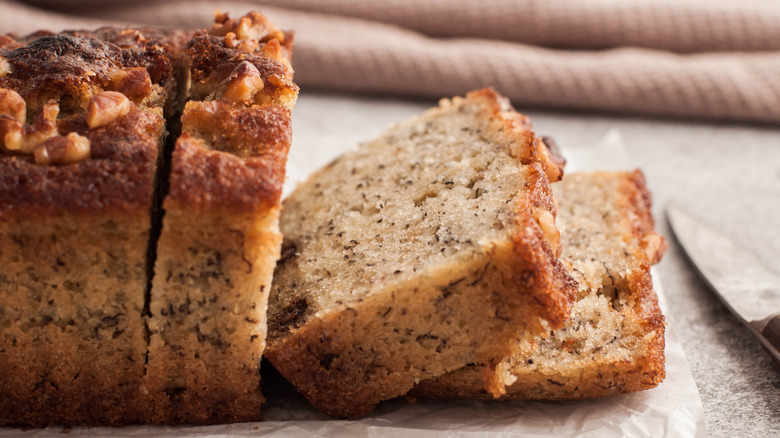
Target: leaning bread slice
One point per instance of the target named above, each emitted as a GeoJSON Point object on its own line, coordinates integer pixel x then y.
{"type": "Point", "coordinates": [220, 235]}
{"type": "Point", "coordinates": [427, 249]}
{"type": "Point", "coordinates": [614, 341]}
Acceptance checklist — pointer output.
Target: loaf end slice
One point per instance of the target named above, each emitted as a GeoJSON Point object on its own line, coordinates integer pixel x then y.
{"type": "Point", "coordinates": [427, 249]}
{"type": "Point", "coordinates": [614, 341]}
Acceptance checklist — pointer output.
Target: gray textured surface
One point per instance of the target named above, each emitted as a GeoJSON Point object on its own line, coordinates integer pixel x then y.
{"type": "Point", "coordinates": [728, 174]}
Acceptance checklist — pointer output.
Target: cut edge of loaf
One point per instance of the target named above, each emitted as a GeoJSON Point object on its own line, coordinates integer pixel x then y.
{"type": "Point", "coordinates": [324, 352]}
{"type": "Point", "coordinates": [586, 362]}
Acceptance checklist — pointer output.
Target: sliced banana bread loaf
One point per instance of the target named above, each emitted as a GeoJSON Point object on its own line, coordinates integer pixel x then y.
{"type": "Point", "coordinates": [220, 235]}
{"type": "Point", "coordinates": [427, 249]}
{"type": "Point", "coordinates": [614, 341]}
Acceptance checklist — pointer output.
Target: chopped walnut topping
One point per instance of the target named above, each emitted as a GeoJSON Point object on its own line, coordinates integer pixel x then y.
{"type": "Point", "coordinates": [272, 49]}
{"type": "Point", "coordinates": [12, 104]}
{"type": "Point", "coordinates": [5, 67]}
{"type": "Point", "coordinates": [248, 46]}
{"type": "Point", "coordinates": [251, 26]}
{"type": "Point", "coordinates": [44, 127]}
{"type": "Point", "coordinates": [106, 107]}
{"type": "Point", "coordinates": [129, 38]}
{"type": "Point", "coordinates": [230, 40]}
{"type": "Point", "coordinates": [276, 81]}
{"type": "Point", "coordinates": [134, 83]}
{"type": "Point", "coordinates": [243, 83]}
{"type": "Point", "coordinates": [62, 149]}
{"type": "Point", "coordinates": [11, 133]}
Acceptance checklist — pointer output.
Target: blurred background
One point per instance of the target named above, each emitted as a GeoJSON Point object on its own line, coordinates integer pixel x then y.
{"type": "Point", "coordinates": [695, 59]}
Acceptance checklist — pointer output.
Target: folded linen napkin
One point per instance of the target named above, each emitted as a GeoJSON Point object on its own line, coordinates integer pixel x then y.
{"type": "Point", "coordinates": [716, 59]}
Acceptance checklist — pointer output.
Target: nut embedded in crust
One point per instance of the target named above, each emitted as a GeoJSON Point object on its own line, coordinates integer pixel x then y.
{"type": "Point", "coordinates": [62, 150]}
{"type": "Point", "coordinates": [273, 50]}
{"type": "Point", "coordinates": [44, 127]}
{"type": "Point", "coordinates": [11, 133]}
{"type": "Point", "coordinates": [547, 223]}
{"type": "Point", "coordinates": [129, 38]}
{"type": "Point", "coordinates": [654, 246]}
{"type": "Point", "coordinates": [12, 104]}
{"type": "Point", "coordinates": [106, 107]}
{"type": "Point", "coordinates": [248, 46]}
{"type": "Point", "coordinates": [134, 83]}
{"type": "Point", "coordinates": [243, 83]}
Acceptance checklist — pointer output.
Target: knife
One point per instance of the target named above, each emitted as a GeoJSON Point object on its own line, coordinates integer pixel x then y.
{"type": "Point", "coordinates": [748, 288]}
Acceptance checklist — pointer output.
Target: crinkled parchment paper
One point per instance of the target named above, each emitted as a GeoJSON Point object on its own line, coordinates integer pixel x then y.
{"type": "Point", "coordinates": [673, 409]}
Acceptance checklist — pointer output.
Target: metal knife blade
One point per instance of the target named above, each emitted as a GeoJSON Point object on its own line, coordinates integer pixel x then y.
{"type": "Point", "coordinates": [745, 285]}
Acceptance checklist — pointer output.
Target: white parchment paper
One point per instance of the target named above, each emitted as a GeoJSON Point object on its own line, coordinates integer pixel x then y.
{"type": "Point", "coordinates": [673, 409]}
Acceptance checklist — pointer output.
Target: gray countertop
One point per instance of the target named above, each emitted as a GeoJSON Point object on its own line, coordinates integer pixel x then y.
{"type": "Point", "coordinates": [727, 174]}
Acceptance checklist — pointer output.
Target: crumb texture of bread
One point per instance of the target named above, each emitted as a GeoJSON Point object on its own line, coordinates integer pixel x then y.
{"type": "Point", "coordinates": [399, 257]}
{"type": "Point", "coordinates": [66, 323]}
{"type": "Point", "coordinates": [614, 341]}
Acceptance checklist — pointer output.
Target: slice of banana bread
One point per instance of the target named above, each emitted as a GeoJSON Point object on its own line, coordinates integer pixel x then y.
{"type": "Point", "coordinates": [220, 235]}
{"type": "Point", "coordinates": [614, 341]}
{"type": "Point", "coordinates": [427, 249]}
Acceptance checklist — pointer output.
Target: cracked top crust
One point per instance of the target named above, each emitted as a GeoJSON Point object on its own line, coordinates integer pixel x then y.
{"type": "Point", "coordinates": [73, 66]}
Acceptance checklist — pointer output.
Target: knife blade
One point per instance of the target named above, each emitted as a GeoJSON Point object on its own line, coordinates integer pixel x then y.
{"type": "Point", "coordinates": [748, 288]}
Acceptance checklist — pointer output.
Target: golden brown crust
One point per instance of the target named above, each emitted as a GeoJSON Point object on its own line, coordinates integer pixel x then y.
{"type": "Point", "coordinates": [155, 49]}
{"type": "Point", "coordinates": [554, 155]}
{"type": "Point", "coordinates": [118, 176]}
{"type": "Point", "coordinates": [203, 178]}
{"type": "Point", "coordinates": [637, 204]}
{"type": "Point", "coordinates": [258, 131]}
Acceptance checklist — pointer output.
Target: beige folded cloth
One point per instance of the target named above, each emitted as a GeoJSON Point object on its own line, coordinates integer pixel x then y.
{"type": "Point", "coordinates": [708, 59]}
